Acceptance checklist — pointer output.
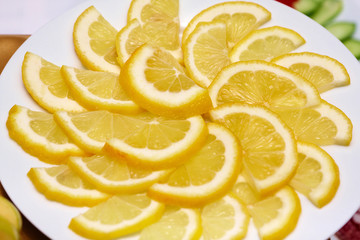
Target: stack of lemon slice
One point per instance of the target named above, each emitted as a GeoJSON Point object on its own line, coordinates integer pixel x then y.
{"type": "Point", "coordinates": [189, 140]}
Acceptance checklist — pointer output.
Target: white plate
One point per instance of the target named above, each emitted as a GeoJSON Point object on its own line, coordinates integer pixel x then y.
{"type": "Point", "coordinates": [54, 43]}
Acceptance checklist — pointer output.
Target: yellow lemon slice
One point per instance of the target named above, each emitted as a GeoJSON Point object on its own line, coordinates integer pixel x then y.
{"type": "Point", "coordinates": [176, 223]}
{"type": "Point", "coordinates": [225, 218]}
{"type": "Point", "coordinates": [266, 43]}
{"type": "Point", "coordinates": [43, 81]}
{"type": "Point", "coordinates": [63, 185]}
{"type": "Point", "coordinates": [317, 176]}
{"type": "Point", "coordinates": [158, 83]}
{"type": "Point", "coordinates": [143, 139]}
{"type": "Point", "coordinates": [268, 145]}
{"type": "Point", "coordinates": [240, 18]}
{"type": "Point", "coordinates": [118, 216]}
{"type": "Point", "coordinates": [205, 176]}
{"type": "Point", "coordinates": [322, 71]}
{"type": "Point", "coordinates": [260, 82]}
{"type": "Point", "coordinates": [244, 191]}
{"type": "Point", "coordinates": [276, 216]}
{"type": "Point", "coordinates": [98, 90]}
{"type": "Point", "coordinates": [113, 175]}
{"type": "Point", "coordinates": [324, 124]}
{"type": "Point", "coordinates": [39, 135]}
{"type": "Point", "coordinates": [94, 41]}
{"type": "Point", "coordinates": [206, 52]}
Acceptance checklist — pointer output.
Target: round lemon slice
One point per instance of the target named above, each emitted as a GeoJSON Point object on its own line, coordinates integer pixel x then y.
{"type": "Point", "coordinates": [39, 135]}
{"type": "Point", "coordinates": [118, 216]}
{"type": "Point", "coordinates": [322, 71]}
{"type": "Point", "coordinates": [317, 176]}
{"type": "Point", "coordinates": [63, 185]}
{"type": "Point", "coordinates": [176, 223]}
{"type": "Point", "coordinates": [205, 176]}
{"type": "Point", "coordinates": [44, 82]}
{"type": "Point", "coordinates": [276, 216]}
{"type": "Point", "coordinates": [266, 43]}
{"type": "Point", "coordinates": [94, 41]}
{"type": "Point", "coordinates": [260, 82]}
{"type": "Point", "coordinates": [158, 83]}
{"type": "Point", "coordinates": [98, 90]}
{"type": "Point", "coordinates": [225, 218]}
{"type": "Point", "coordinates": [240, 18]}
{"type": "Point", "coordinates": [269, 149]}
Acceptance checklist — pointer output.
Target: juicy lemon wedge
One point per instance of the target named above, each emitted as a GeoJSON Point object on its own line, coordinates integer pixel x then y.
{"type": "Point", "coordinates": [322, 71]}
{"type": "Point", "coordinates": [158, 83]}
{"type": "Point", "coordinates": [38, 134]}
{"type": "Point", "coordinates": [44, 82]}
{"type": "Point", "coordinates": [226, 218]}
{"type": "Point", "coordinates": [98, 90]}
{"type": "Point", "coordinates": [268, 145]}
{"type": "Point", "coordinates": [94, 41]}
{"type": "Point", "coordinates": [63, 185]}
{"type": "Point", "coordinates": [317, 176]}
{"type": "Point", "coordinates": [205, 176]}
{"type": "Point", "coordinates": [118, 216]}
{"type": "Point", "coordinates": [266, 43]}
{"type": "Point", "coordinates": [240, 18]}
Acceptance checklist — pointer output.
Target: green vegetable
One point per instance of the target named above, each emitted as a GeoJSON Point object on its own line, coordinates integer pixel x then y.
{"type": "Point", "coordinates": [328, 10]}
{"type": "Point", "coordinates": [308, 6]}
{"type": "Point", "coordinates": [354, 46]}
{"type": "Point", "coordinates": [342, 30]}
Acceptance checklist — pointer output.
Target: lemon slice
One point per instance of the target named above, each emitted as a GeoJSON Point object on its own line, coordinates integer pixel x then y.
{"type": "Point", "coordinates": [260, 82]}
{"type": "Point", "coordinates": [98, 90]}
{"type": "Point", "coordinates": [143, 138]}
{"type": "Point", "coordinates": [322, 71]}
{"type": "Point", "coordinates": [240, 18]}
{"type": "Point", "coordinates": [43, 81]}
{"type": "Point", "coordinates": [244, 191]}
{"type": "Point", "coordinates": [63, 185]}
{"type": "Point", "coordinates": [225, 218]}
{"type": "Point", "coordinates": [94, 41]}
{"type": "Point", "coordinates": [118, 216]}
{"type": "Point", "coordinates": [206, 52]}
{"type": "Point", "coordinates": [269, 149]}
{"type": "Point", "coordinates": [9, 213]}
{"type": "Point", "coordinates": [317, 176]}
{"type": "Point", "coordinates": [266, 43]}
{"type": "Point", "coordinates": [176, 223]}
{"type": "Point", "coordinates": [157, 82]}
{"type": "Point", "coordinates": [324, 124]}
{"type": "Point", "coordinates": [276, 216]}
{"type": "Point", "coordinates": [205, 176]}
{"type": "Point", "coordinates": [39, 135]}
{"type": "Point", "coordinates": [113, 175]}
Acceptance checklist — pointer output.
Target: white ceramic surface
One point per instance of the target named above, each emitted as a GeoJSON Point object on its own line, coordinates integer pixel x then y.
{"type": "Point", "coordinates": [54, 43]}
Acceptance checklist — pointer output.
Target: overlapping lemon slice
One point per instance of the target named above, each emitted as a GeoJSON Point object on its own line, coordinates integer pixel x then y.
{"type": "Point", "coordinates": [260, 82]}
{"type": "Point", "coordinates": [110, 174]}
{"type": "Point", "coordinates": [266, 43]}
{"type": "Point", "coordinates": [225, 218]}
{"type": "Point", "coordinates": [206, 52]}
{"type": "Point", "coordinates": [38, 134]}
{"type": "Point", "coordinates": [268, 145]}
{"type": "Point", "coordinates": [94, 41]}
{"type": "Point", "coordinates": [143, 138]}
{"type": "Point", "coordinates": [118, 216]}
{"type": "Point", "coordinates": [317, 176]}
{"type": "Point", "coordinates": [276, 216]}
{"type": "Point", "coordinates": [98, 90]}
{"type": "Point", "coordinates": [322, 71]}
{"type": "Point", "coordinates": [43, 81]}
{"type": "Point", "coordinates": [244, 191]}
{"type": "Point", "coordinates": [206, 175]}
{"type": "Point", "coordinates": [151, 21]}
{"type": "Point", "coordinates": [240, 18]}
{"type": "Point", "coordinates": [324, 124]}
{"type": "Point", "coordinates": [158, 83]}
{"type": "Point", "coordinates": [176, 223]}
{"type": "Point", "coordinates": [63, 185]}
